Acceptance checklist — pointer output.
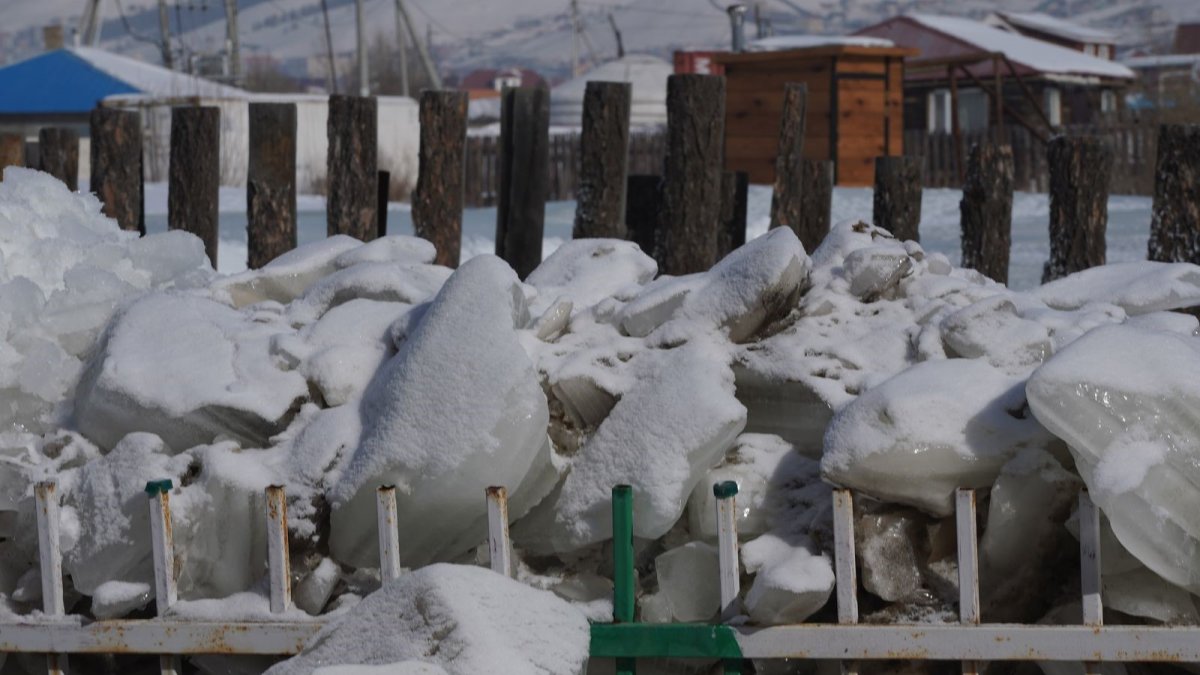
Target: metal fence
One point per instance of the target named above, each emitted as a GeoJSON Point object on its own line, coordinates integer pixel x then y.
{"type": "Point", "coordinates": [969, 641]}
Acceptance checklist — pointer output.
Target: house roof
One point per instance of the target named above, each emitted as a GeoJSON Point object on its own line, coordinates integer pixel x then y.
{"type": "Point", "coordinates": [1035, 55]}
{"type": "Point", "coordinates": [1162, 61]}
{"type": "Point", "coordinates": [74, 80]}
{"type": "Point", "coordinates": [647, 76]}
{"type": "Point", "coordinates": [780, 42]}
{"type": "Point", "coordinates": [484, 78]}
{"type": "Point", "coordinates": [1053, 25]}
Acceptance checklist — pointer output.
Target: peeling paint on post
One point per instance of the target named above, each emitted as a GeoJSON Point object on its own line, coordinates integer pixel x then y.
{"type": "Point", "coordinates": [278, 562]}
{"type": "Point", "coordinates": [499, 545]}
{"type": "Point", "coordinates": [389, 535]}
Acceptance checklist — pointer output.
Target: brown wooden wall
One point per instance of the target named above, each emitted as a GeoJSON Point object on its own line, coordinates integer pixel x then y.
{"type": "Point", "coordinates": [855, 113]}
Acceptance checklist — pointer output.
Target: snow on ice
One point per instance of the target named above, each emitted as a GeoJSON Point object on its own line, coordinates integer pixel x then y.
{"type": "Point", "coordinates": [342, 367]}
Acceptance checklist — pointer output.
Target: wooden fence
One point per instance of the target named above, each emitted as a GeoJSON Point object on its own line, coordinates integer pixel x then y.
{"type": "Point", "coordinates": [646, 152]}
{"type": "Point", "coordinates": [1133, 145]}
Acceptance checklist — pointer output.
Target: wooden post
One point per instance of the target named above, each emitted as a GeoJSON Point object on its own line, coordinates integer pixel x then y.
{"type": "Point", "coordinates": [955, 128]}
{"type": "Point", "coordinates": [816, 184]}
{"type": "Point", "coordinates": [897, 198]}
{"type": "Point", "coordinates": [194, 174]}
{"type": "Point", "coordinates": [604, 157]}
{"type": "Point", "coordinates": [437, 208]}
{"type": "Point", "coordinates": [642, 204]}
{"type": "Point", "coordinates": [12, 151]}
{"type": "Point", "coordinates": [986, 209]}
{"type": "Point", "coordinates": [1080, 170]}
{"type": "Point", "coordinates": [524, 177]}
{"type": "Point", "coordinates": [735, 192]}
{"type": "Point", "coordinates": [271, 182]}
{"type": "Point", "coordinates": [1175, 223]}
{"type": "Point", "coordinates": [58, 150]}
{"type": "Point", "coordinates": [116, 166]}
{"type": "Point", "coordinates": [788, 197]}
{"type": "Point", "coordinates": [691, 202]}
{"type": "Point", "coordinates": [351, 166]}
{"type": "Point", "coordinates": [382, 197]}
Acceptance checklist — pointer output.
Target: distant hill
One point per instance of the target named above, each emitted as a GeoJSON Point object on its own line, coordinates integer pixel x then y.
{"type": "Point", "coordinates": [468, 34]}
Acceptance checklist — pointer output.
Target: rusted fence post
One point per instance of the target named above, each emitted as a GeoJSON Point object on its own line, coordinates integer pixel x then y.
{"type": "Point", "coordinates": [271, 183]}
{"type": "Point", "coordinates": [986, 209]}
{"type": "Point", "coordinates": [604, 157]}
{"type": "Point", "coordinates": [1080, 170]}
{"type": "Point", "coordinates": [524, 177]}
{"type": "Point", "coordinates": [194, 174]}
{"type": "Point", "coordinates": [437, 205]}
{"type": "Point", "coordinates": [116, 165]}
{"type": "Point", "coordinates": [351, 166]}
{"type": "Point", "coordinates": [12, 151]}
{"type": "Point", "coordinates": [735, 191]}
{"type": "Point", "coordinates": [1175, 223]}
{"type": "Point", "coordinates": [642, 204]}
{"type": "Point", "coordinates": [691, 201]}
{"type": "Point", "coordinates": [787, 200]}
{"type": "Point", "coordinates": [897, 198]}
{"type": "Point", "coordinates": [58, 150]}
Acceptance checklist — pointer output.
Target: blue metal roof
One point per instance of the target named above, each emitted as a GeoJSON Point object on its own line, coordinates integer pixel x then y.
{"type": "Point", "coordinates": [55, 82]}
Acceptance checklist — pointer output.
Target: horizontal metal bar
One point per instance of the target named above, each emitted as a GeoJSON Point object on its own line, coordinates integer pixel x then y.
{"type": "Point", "coordinates": [158, 636]}
{"type": "Point", "coordinates": [940, 642]}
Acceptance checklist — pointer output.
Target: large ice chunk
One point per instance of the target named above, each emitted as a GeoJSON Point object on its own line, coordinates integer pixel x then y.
{"type": "Point", "coordinates": [790, 582]}
{"type": "Point", "coordinates": [587, 271]}
{"type": "Point", "coordinates": [285, 278]}
{"type": "Point", "coordinates": [935, 427]}
{"type": "Point", "coordinates": [666, 432]}
{"type": "Point", "coordinates": [467, 620]}
{"type": "Point", "coordinates": [459, 408]}
{"type": "Point", "coordinates": [1137, 287]}
{"type": "Point", "coordinates": [1124, 399]}
{"type": "Point", "coordinates": [992, 329]}
{"type": "Point", "coordinates": [688, 578]}
{"type": "Point", "coordinates": [187, 369]}
{"type": "Point", "coordinates": [387, 282]}
{"type": "Point", "coordinates": [753, 464]}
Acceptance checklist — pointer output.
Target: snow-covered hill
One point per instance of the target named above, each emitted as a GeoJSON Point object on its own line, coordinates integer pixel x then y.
{"type": "Point", "coordinates": [535, 33]}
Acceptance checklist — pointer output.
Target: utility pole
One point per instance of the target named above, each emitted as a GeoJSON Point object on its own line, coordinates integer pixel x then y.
{"type": "Point", "coordinates": [164, 26]}
{"type": "Point", "coordinates": [331, 78]}
{"type": "Point", "coordinates": [364, 82]}
{"type": "Point", "coordinates": [574, 38]}
{"type": "Point", "coordinates": [89, 25]}
{"type": "Point", "coordinates": [233, 49]}
{"type": "Point", "coordinates": [422, 50]}
{"type": "Point", "coordinates": [402, 45]}
{"type": "Point", "coordinates": [617, 34]}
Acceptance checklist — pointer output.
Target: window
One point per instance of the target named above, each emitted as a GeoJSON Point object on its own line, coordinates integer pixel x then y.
{"type": "Point", "coordinates": [1052, 101]}
{"type": "Point", "coordinates": [1108, 101]}
{"type": "Point", "coordinates": [972, 109]}
{"type": "Point", "coordinates": [938, 107]}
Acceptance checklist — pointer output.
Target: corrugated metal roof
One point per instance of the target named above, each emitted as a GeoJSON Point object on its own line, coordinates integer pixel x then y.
{"type": "Point", "coordinates": [55, 82]}
{"type": "Point", "coordinates": [74, 80]}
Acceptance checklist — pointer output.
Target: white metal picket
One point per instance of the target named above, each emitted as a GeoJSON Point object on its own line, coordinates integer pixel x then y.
{"type": "Point", "coordinates": [969, 641]}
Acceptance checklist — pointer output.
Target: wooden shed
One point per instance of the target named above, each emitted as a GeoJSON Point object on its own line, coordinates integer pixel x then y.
{"type": "Point", "coordinates": [855, 107]}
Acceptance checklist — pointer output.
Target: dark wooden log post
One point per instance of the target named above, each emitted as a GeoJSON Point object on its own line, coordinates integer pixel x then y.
{"type": "Point", "coordinates": [437, 209]}
{"type": "Point", "coordinates": [524, 177]}
{"type": "Point", "coordinates": [1175, 223]}
{"type": "Point", "coordinates": [271, 182]}
{"type": "Point", "coordinates": [642, 204]}
{"type": "Point", "coordinates": [691, 202]}
{"type": "Point", "coordinates": [194, 174]}
{"type": "Point", "coordinates": [351, 167]}
{"type": "Point", "coordinates": [382, 197]}
{"type": "Point", "coordinates": [787, 200]}
{"type": "Point", "coordinates": [816, 206]}
{"type": "Point", "coordinates": [604, 157]}
{"type": "Point", "coordinates": [12, 151]}
{"type": "Point", "coordinates": [116, 165]}
{"type": "Point", "coordinates": [1080, 171]}
{"type": "Point", "coordinates": [986, 210]}
{"type": "Point", "coordinates": [897, 199]}
{"type": "Point", "coordinates": [58, 150]}
{"type": "Point", "coordinates": [735, 192]}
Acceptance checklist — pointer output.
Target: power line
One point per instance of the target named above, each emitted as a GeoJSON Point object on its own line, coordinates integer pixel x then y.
{"type": "Point", "coordinates": [129, 29]}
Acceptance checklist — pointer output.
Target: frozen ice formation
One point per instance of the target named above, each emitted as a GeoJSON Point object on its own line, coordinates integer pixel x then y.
{"type": "Point", "coordinates": [187, 369]}
{"type": "Point", "coordinates": [459, 408]}
{"type": "Point", "coordinates": [590, 270]}
{"type": "Point", "coordinates": [463, 619]}
{"type": "Point", "coordinates": [1124, 400]}
{"type": "Point", "coordinates": [685, 581]}
{"type": "Point", "coordinates": [1136, 287]}
{"type": "Point", "coordinates": [754, 464]}
{"type": "Point", "coordinates": [790, 582]}
{"type": "Point", "coordinates": [935, 427]}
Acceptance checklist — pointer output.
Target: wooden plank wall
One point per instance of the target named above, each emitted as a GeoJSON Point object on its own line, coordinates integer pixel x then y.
{"type": "Point", "coordinates": [870, 124]}
{"type": "Point", "coordinates": [754, 105]}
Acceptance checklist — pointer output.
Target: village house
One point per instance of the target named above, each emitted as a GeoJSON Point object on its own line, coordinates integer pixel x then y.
{"type": "Point", "coordinates": [1091, 41]}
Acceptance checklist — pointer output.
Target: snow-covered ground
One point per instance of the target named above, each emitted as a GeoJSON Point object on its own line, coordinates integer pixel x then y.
{"type": "Point", "coordinates": [1128, 228]}
{"type": "Point", "coordinates": [342, 367]}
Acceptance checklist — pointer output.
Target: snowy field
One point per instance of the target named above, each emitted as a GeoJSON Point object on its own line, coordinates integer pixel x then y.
{"type": "Point", "coordinates": [1128, 226]}
{"type": "Point", "coordinates": [342, 367]}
